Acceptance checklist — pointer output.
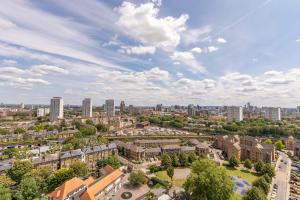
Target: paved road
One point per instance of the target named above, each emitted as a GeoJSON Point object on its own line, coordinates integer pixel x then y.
{"type": "Point", "coordinates": [283, 176]}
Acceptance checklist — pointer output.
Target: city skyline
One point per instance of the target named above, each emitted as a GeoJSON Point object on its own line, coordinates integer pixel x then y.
{"type": "Point", "coordinates": [151, 52]}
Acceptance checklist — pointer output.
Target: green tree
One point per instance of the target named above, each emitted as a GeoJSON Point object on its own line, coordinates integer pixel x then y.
{"type": "Point", "coordinates": [166, 161]}
{"type": "Point", "coordinates": [111, 160]}
{"type": "Point", "coordinates": [41, 176]}
{"type": "Point", "coordinates": [6, 181]}
{"type": "Point", "coordinates": [259, 166]}
{"type": "Point", "coordinates": [154, 168]}
{"type": "Point", "coordinates": [19, 169]}
{"type": "Point", "coordinates": [79, 168]}
{"type": "Point", "coordinates": [255, 194]}
{"type": "Point", "coordinates": [170, 172]}
{"type": "Point", "coordinates": [59, 177]}
{"type": "Point", "coordinates": [4, 131]}
{"type": "Point", "coordinates": [27, 190]}
{"type": "Point", "coordinates": [20, 131]}
{"type": "Point", "coordinates": [88, 130]}
{"type": "Point", "coordinates": [192, 157]}
{"type": "Point", "coordinates": [175, 161]}
{"type": "Point", "coordinates": [269, 170]}
{"type": "Point", "coordinates": [267, 178]}
{"type": "Point", "coordinates": [5, 193]}
{"type": "Point", "coordinates": [279, 145]}
{"type": "Point", "coordinates": [183, 159]}
{"type": "Point", "coordinates": [262, 184]}
{"type": "Point", "coordinates": [102, 127]}
{"type": "Point", "coordinates": [137, 178]}
{"type": "Point", "coordinates": [89, 122]}
{"type": "Point", "coordinates": [233, 162]}
{"type": "Point", "coordinates": [208, 181]}
{"type": "Point", "coordinates": [248, 164]}
{"type": "Point", "coordinates": [11, 152]}
{"type": "Point", "coordinates": [268, 141]}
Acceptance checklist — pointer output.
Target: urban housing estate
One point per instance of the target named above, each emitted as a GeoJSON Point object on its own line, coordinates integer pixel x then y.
{"type": "Point", "coordinates": [245, 147]}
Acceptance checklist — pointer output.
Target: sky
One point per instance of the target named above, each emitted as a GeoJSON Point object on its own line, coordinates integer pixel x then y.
{"type": "Point", "coordinates": [147, 52]}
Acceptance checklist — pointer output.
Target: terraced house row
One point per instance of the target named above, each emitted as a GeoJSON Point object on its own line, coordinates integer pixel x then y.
{"type": "Point", "coordinates": [89, 155]}
{"type": "Point", "coordinates": [150, 149]}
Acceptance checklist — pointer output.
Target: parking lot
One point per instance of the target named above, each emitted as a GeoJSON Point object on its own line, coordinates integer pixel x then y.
{"type": "Point", "coordinates": [295, 181]}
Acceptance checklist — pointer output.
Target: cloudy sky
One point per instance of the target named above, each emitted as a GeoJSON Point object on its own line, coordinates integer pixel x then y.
{"type": "Point", "coordinates": [206, 52]}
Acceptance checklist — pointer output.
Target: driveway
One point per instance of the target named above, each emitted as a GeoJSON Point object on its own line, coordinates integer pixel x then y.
{"type": "Point", "coordinates": [136, 191]}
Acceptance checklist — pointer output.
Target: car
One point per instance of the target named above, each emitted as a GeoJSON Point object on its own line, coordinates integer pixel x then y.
{"type": "Point", "coordinates": [285, 162]}
{"type": "Point", "coordinates": [275, 186]}
{"type": "Point", "coordinates": [281, 160]}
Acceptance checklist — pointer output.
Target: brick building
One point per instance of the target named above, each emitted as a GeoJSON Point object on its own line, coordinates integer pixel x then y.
{"type": "Point", "coordinates": [245, 147]}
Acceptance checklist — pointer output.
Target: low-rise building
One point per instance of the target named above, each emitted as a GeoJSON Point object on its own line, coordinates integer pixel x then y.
{"type": "Point", "coordinates": [156, 143]}
{"type": "Point", "coordinates": [77, 189]}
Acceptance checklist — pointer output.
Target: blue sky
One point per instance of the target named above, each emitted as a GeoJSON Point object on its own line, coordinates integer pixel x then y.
{"type": "Point", "coordinates": [206, 52]}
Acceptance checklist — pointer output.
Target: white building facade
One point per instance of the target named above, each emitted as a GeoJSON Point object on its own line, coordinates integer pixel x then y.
{"type": "Point", "coordinates": [42, 112]}
{"type": "Point", "coordinates": [273, 114]}
{"type": "Point", "coordinates": [56, 108]}
{"type": "Point", "coordinates": [234, 114]}
{"type": "Point", "coordinates": [87, 107]}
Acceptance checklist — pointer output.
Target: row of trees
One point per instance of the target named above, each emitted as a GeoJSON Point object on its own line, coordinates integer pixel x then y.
{"type": "Point", "coordinates": [165, 121]}
{"type": "Point", "coordinates": [182, 160]}
{"type": "Point", "coordinates": [259, 167]}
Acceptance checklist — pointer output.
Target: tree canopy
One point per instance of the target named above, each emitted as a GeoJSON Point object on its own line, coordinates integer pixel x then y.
{"type": "Point", "coordinates": [255, 194]}
{"type": "Point", "coordinates": [19, 169]}
{"type": "Point", "coordinates": [208, 181]}
{"type": "Point", "coordinates": [137, 178]}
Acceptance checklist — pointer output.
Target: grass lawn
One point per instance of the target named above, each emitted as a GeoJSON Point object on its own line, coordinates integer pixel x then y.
{"type": "Point", "coordinates": [236, 197]}
{"type": "Point", "coordinates": [163, 176]}
{"type": "Point", "coordinates": [249, 176]}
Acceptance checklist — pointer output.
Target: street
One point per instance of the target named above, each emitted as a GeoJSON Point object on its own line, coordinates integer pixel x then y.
{"type": "Point", "coordinates": [282, 177]}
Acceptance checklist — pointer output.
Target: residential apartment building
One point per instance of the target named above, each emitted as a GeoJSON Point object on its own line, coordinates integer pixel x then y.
{"type": "Point", "coordinates": [90, 189]}
{"type": "Point", "coordinates": [49, 161]}
{"type": "Point", "coordinates": [245, 147]}
{"type": "Point", "coordinates": [191, 110]}
{"type": "Point", "coordinates": [234, 114]}
{"type": "Point", "coordinates": [122, 107]}
{"type": "Point", "coordinates": [110, 107]}
{"type": "Point", "coordinates": [273, 114]}
{"type": "Point", "coordinates": [95, 153]}
{"type": "Point", "coordinates": [88, 155]}
{"type": "Point", "coordinates": [56, 108]}
{"type": "Point", "coordinates": [138, 151]}
{"type": "Point", "coordinates": [87, 107]}
{"type": "Point", "coordinates": [42, 112]}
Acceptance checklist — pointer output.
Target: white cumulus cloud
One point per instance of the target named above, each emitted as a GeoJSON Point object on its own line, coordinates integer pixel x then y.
{"type": "Point", "coordinates": [142, 22]}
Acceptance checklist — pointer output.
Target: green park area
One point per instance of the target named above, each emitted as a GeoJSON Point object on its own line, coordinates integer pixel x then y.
{"type": "Point", "coordinates": [163, 176]}
{"type": "Point", "coordinates": [241, 173]}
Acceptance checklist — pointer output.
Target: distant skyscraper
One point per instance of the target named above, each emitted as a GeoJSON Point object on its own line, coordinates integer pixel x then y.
{"type": "Point", "coordinates": [159, 107]}
{"type": "Point", "coordinates": [234, 113]}
{"type": "Point", "coordinates": [22, 105]}
{"type": "Point", "coordinates": [110, 107]}
{"type": "Point", "coordinates": [87, 107]}
{"type": "Point", "coordinates": [298, 109]}
{"type": "Point", "coordinates": [56, 108]}
{"type": "Point", "coordinates": [122, 107]}
{"type": "Point", "coordinates": [191, 110]}
{"type": "Point", "coordinates": [273, 114]}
